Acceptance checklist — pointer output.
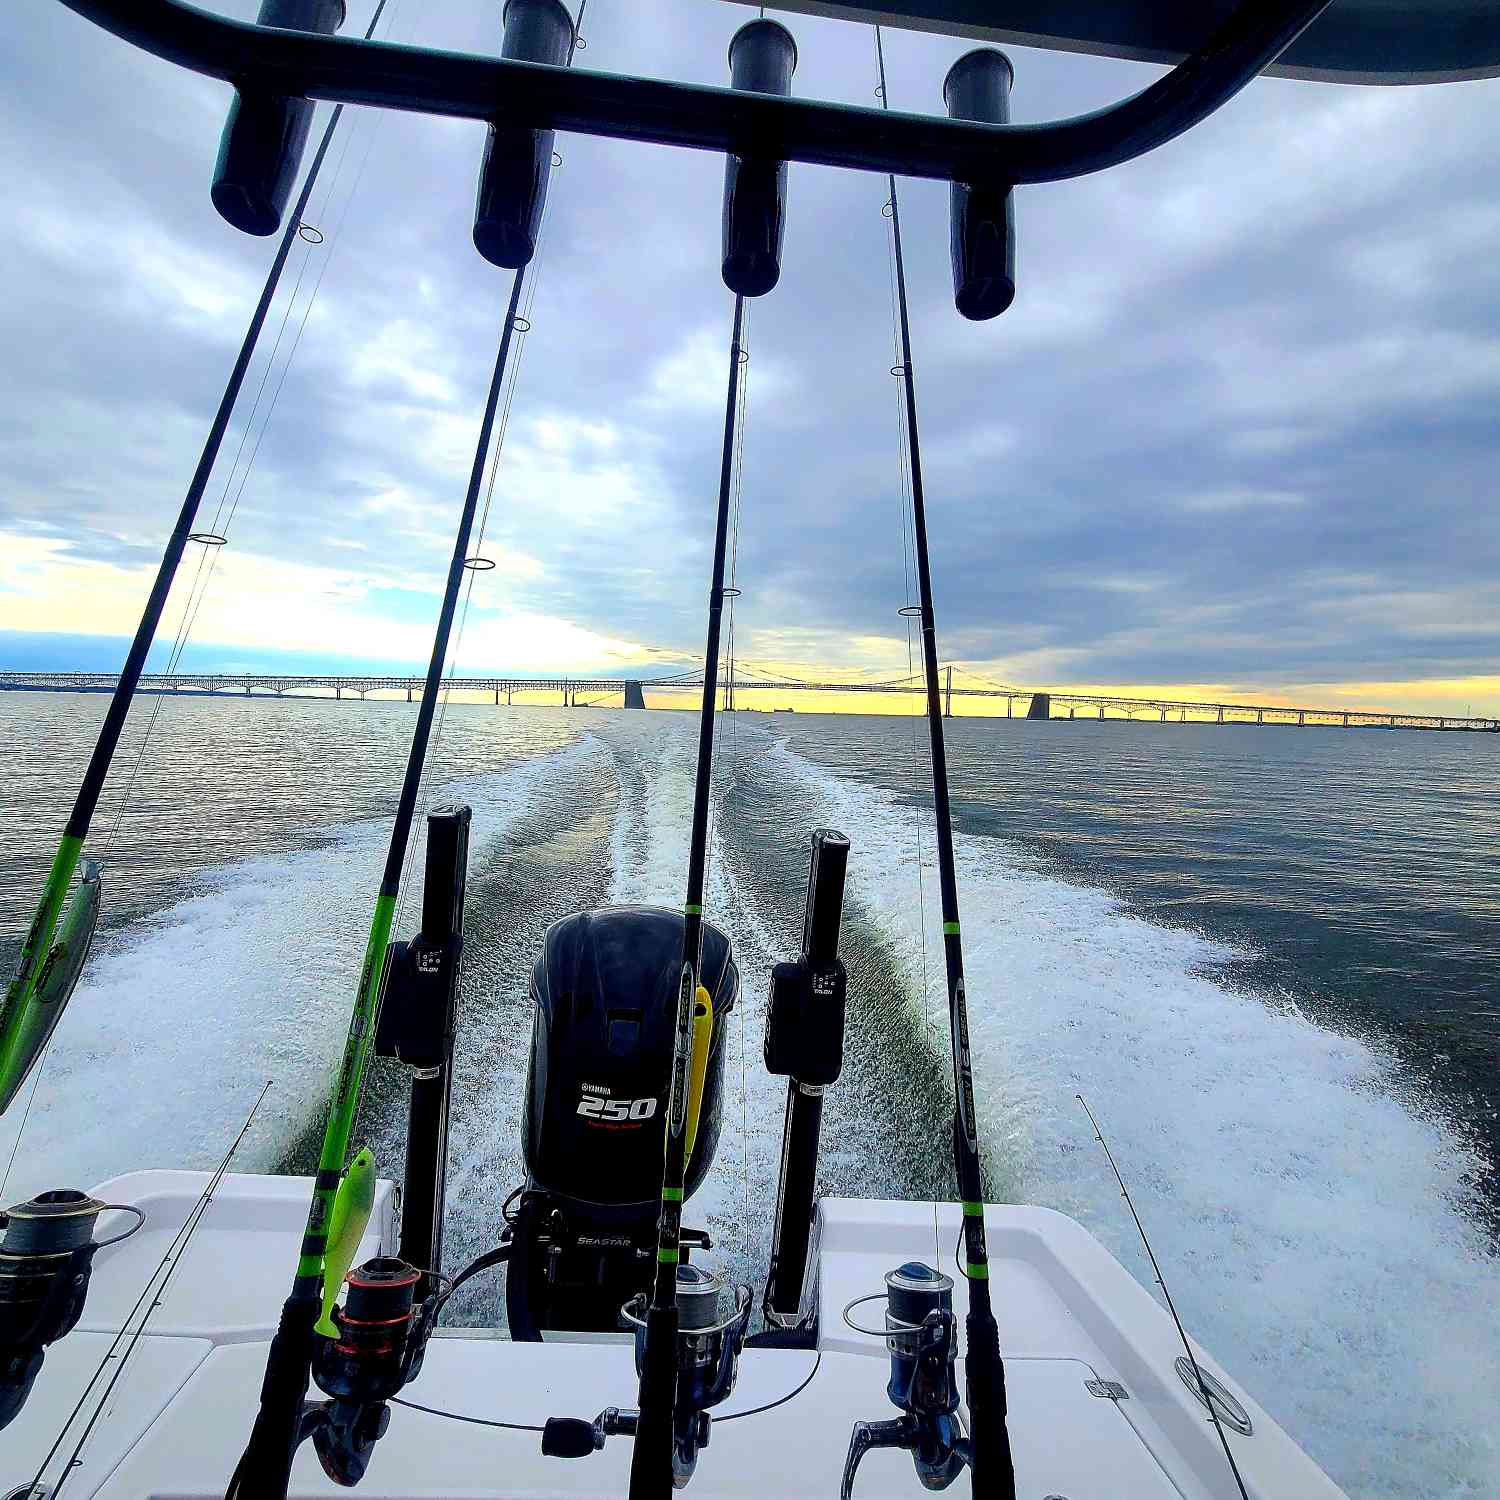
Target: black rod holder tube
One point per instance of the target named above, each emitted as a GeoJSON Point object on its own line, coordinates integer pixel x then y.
{"type": "Point", "coordinates": [762, 59]}
{"type": "Point", "coordinates": [443, 889]}
{"type": "Point", "coordinates": [796, 1206]}
{"type": "Point", "coordinates": [805, 1038]}
{"type": "Point", "coordinates": [266, 131]}
{"type": "Point", "coordinates": [981, 215]}
{"type": "Point", "coordinates": [518, 161]}
{"type": "Point", "coordinates": [713, 119]}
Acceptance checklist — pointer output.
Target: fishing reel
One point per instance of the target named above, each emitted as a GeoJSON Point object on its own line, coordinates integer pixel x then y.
{"type": "Point", "coordinates": [46, 1259]}
{"type": "Point", "coordinates": [921, 1334]}
{"type": "Point", "coordinates": [382, 1338]}
{"type": "Point", "coordinates": [709, 1342]}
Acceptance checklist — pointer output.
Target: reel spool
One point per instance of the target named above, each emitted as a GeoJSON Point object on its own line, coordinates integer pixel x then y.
{"type": "Point", "coordinates": [709, 1342]}
{"type": "Point", "coordinates": [921, 1335]}
{"type": "Point", "coordinates": [46, 1259]}
{"type": "Point", "coordinates": [382, 1337]}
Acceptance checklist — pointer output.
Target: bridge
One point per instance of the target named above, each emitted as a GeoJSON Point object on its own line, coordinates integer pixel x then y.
{"type": "Point", "coordinates": [588, 692]}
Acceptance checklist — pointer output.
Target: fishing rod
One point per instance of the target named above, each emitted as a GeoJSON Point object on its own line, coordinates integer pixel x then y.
{"type": "Point", "coordinates": [264, 1470]}
{"type": "Point", "coordinates": [1203, 1389]}
{"type": "Point", "coordinates": [22, 1033]}
{"type": "Point", "coordinates": [994, 1473]}
{"type": "Point", "coordinates": [154, 1291]}
{"type": "Point", "coordinates": [651, 1458]}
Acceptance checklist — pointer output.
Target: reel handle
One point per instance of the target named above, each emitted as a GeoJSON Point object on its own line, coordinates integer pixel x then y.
{"type": "Point", "coordinates": [899, 1432]}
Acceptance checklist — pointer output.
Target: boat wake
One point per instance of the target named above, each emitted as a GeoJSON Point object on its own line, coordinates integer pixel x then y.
{"type": "Point", "coordinates": [1315, 1220]}
{"type": "Point", "coordinates": [1317, 1223]}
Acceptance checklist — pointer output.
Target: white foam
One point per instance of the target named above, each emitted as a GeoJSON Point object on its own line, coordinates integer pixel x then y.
{"type": "Point", "coordinates": [650, 849]}
{"type": "Point", "coordinates": [1314, 1224]}
{"type": "Point", "coordinates": [181, 1017]}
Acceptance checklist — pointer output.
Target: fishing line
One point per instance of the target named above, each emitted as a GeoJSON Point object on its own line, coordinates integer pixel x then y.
{"type": "Point", "coordinates": [993, 1468]}
{"type": "Point", "coordinates": [208, 558]}
{"type": "Point", "coordinates": [169, 1262]}
{"type": "Point", "coordinates": [755, 1411]}
{"type": "Point", "coordinates": [18, 1004]}
{"type": "Point", "coordinates": [733, 1416]}
{"type": "Point", "coordinates": [1203, 1389]}
{"type": "Point", "coordinates": [522, 328]}
{"type": "Point", "coordinates": [716, 811]}
{"type": "Point", "coordinates": [651, 1456]}
{"type": "Point", "coordinates": [265, 1467]}
{"type": "Point", "coordinates": [15, 1145]}
{"type": "Point", "coordinates": [903, 461]}
{"type": "Point", "coordinates": [458, 1416]}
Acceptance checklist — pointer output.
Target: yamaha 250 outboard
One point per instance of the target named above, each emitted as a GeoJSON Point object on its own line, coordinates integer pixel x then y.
{"type": "Point", "coordinates": [605, 988]}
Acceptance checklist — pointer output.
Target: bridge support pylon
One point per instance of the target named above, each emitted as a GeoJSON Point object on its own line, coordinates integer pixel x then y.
{"type": "Point", "coordinates": [1041, 706]}
{"type": "Point", "coordinates": [634, 697]}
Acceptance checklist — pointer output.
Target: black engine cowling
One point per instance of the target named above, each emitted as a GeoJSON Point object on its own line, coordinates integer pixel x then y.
{"type": "Point", "coordinates": [605, 989]}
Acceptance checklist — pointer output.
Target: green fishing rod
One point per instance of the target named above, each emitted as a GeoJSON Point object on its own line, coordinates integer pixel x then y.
{"type": "Point", "coordinates": [30, 1009]}
{"type": "Point", "coordinates": [994, 1473]}
{"type": "Point", "coordinates": [264, 1471]}
{"type": "Point", "coordinates": [651, 1459]}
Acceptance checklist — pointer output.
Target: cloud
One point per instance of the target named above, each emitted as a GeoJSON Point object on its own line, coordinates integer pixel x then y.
{"type": "Point", "coordinates": [1238, 426]}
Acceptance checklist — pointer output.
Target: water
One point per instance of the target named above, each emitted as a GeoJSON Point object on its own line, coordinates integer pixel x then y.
{"type": "Point", "coordinates": [1264, 956]}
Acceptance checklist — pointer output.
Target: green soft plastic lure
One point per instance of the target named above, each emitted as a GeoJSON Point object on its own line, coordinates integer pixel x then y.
{"type": "Point", "coordinates": [351, 1217]}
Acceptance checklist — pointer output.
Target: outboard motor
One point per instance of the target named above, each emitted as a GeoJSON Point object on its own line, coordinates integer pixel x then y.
{"type": "Point", "coordinates": [605, 988]}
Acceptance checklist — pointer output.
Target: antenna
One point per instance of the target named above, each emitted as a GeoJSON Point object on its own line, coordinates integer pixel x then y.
{"type": "Point", "coordinates": [1203, 1386]}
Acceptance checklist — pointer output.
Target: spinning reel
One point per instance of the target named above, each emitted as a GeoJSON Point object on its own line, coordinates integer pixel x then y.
{"type": "Point", "coordinates": [709, 1343]}
{"type": "Point", "coordinates": [921, 1334]}
{"type": "Point", "coordinates": [382, 1338]}
{"type": "Point", "coordinates": [46, 1259]}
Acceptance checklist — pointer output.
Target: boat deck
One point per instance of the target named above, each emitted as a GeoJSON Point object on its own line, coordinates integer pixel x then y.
{"type": "Point", "coordinates": [1069, 1314]}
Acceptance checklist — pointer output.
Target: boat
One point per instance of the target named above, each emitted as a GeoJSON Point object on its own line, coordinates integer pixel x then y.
{"type": "Point", "coordinates": [148, 1342]}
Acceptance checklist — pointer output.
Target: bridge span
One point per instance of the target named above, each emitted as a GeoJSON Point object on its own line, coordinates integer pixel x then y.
{"type": "Point", "coordinates": [584, 692]}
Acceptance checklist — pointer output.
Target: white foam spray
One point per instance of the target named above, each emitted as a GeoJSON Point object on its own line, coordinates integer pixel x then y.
{"type": "Point", "coordinates": [182, 1016]}
{"type": "Point", "coordinates": [1313, 1218]}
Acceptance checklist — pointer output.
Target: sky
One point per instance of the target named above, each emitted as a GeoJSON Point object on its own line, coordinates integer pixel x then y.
{"type": "Point", "coordinates": [1236, 437]}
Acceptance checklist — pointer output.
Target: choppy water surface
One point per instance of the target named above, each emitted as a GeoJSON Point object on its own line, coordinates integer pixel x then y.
{"type": "Point", "coordinates": [1267, 957]}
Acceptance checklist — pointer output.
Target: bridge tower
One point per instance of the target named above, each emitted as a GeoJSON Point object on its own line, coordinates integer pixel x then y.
{"type": "Point", "coordinates": [948, 698]}
{"type": "Point", "coordinates": [634, 697]}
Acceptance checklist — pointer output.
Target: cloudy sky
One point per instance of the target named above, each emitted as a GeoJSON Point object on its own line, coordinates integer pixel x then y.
{"type": "Point", "coordinates": [1237, 433]}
